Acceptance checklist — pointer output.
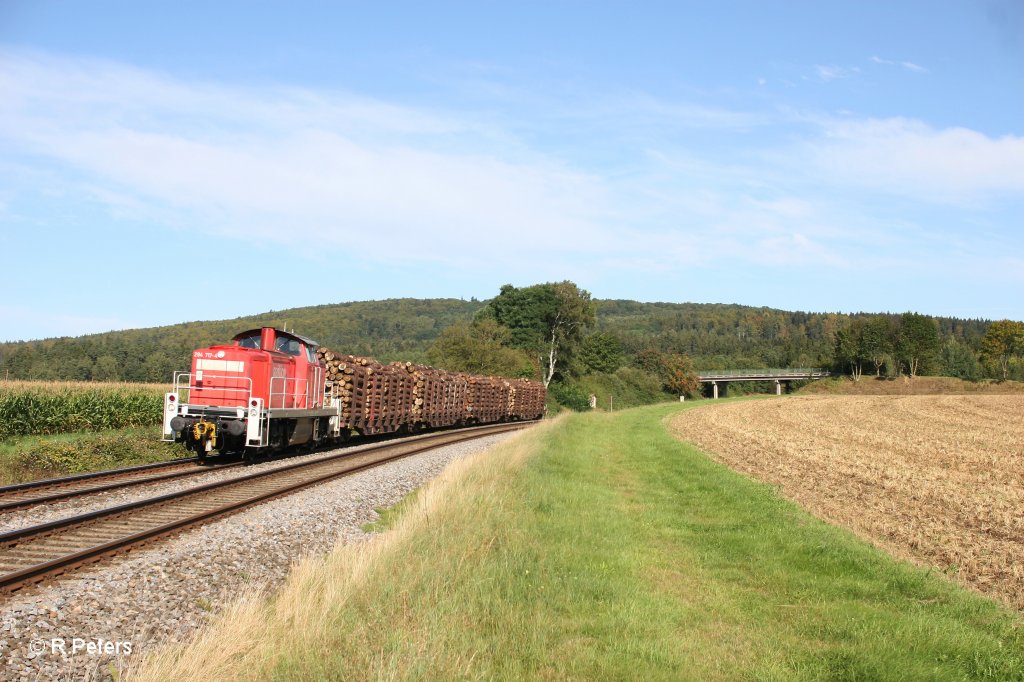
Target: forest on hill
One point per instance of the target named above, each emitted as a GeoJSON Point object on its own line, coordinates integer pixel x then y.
{"type": "Point", "coordinates": [507, 334]}
{"type": "Point", "coordinates": [389, 330]}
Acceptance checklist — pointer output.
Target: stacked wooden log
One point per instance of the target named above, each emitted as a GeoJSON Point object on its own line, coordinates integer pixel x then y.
{"type": "Point", "coordinates": [348, 374]}
{"type": "Point", "coordinates": [375, 397]}
{"type": "Point", "coordinates": [440, 398]}
{"type": "Point", "coordinates": [488, 398]}
{"type": "Point", "coordinates": [379, 398]}
{"type": "Point", "coordinates": [526, 399]}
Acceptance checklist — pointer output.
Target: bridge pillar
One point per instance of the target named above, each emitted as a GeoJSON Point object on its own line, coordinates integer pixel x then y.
{"type": "Point", "coordinates": [778, 387]}
{"type": "Point", "coordinates": [714, 389]}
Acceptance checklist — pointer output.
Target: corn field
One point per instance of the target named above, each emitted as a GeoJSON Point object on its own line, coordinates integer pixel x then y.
{"type": "Point", "coordinates": [39, 407]}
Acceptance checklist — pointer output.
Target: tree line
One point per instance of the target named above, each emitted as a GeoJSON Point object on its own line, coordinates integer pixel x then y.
{"type": "Point", "coordinates": [912, 344]}
{"type": "Point", "coordinates": [555, 332]}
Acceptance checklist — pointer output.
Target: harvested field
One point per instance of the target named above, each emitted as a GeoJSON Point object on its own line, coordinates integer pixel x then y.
{"type": "Point", "coordinates": [935, 479]}
{"type": "Point", "coordinates": [871, 385]}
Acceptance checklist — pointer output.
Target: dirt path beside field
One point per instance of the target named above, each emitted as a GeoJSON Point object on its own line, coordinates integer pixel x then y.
{"type": "Point", "coordinates": [936, 479]}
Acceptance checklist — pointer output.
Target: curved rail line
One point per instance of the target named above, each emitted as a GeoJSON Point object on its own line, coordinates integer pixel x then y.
{"type": "Point", "coordinates": [29, 494]}
{"type": "Point", "coordinates": [29, 555]}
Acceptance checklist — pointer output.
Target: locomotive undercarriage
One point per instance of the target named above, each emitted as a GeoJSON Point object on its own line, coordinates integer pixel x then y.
{"type": "Point", "coordinates": [226, 434]}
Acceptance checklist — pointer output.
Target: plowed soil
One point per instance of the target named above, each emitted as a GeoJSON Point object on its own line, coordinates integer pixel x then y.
{"type": "Point", "coordinates": [935, 479]}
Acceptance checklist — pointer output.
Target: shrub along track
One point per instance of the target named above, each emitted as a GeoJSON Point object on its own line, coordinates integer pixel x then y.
{"type": "Point", "coordinates": [32, 554]}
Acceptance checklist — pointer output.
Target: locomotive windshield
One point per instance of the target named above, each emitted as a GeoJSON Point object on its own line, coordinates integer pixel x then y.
{"type": "Point", "coordinates": [283, 343]}
{"type": "Point", "coordinates": [250, 341]}
{"type": "Point", "coordinates": [289, 346]}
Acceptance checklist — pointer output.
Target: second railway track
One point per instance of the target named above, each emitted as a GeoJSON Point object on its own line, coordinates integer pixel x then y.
{"type": "Point", "coordinates": [32, 554]}
{"type": "Point", "coordinates": [22, 495]}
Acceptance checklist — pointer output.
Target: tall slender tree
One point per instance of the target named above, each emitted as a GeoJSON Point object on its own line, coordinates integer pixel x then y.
{"type": "Point", "coordinates": [917, 343]}
{"type": "Point", "coordinates": [878, 340]}
{"type": "Point", "coordinates": [849, 347]}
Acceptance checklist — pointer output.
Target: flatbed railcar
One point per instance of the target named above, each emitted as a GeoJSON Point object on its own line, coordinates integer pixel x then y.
{"type": "Point", "coordinates": [269, 390]}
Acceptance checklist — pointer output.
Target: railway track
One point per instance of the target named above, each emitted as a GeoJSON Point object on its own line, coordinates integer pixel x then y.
{"type": "Point", "coordinates": [32, 554]}
{"type": "Point", "coordinates": [30, 494]}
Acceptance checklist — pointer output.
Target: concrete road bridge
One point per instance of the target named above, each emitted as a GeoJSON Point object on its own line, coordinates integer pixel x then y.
{"type": "Point", "coordinates": [715, 377]}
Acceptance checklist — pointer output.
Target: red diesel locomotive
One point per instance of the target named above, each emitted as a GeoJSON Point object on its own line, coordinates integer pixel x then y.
{"type": "Point", "coordinates": [268, 390]}
{"type": "Point", "coordinates": [265, 390]}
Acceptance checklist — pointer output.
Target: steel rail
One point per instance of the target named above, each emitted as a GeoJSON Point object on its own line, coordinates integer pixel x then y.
{"type": "Point", "coordinates": [93, 474]}
{"type": "Point", "coordinates": [32, 554]}
{"type": "Point", "coordinates": [31, 494]}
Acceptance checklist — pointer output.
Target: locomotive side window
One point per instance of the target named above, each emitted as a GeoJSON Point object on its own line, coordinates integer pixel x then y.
{"type": "Point", "coordinates": [251, 341]}
{"type": "Point", "coordinates": [289, 346]}
{"type": "Point", "coordinates": [310, 355]}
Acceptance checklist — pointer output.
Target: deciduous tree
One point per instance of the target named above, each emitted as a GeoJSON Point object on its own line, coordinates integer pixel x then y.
{"type": "Point", "coordinates": [917, 343]}
{"type": "Point", "coordinates": [479, 348]}
{"type": "Point", "coordinates": [680, 377]}
{"type": "Point", "coordinates": [850, 347]}
{"type": "Point", "coordinates": [675, 370]}
{"type": "Point", "coordinates": [958, 360]}
{"type": "Point", "coordinates": [1003, 340]}
{"type": "Point", "coordinates": [878, 340]}
{"type": "Point", "coordinates": [601, 352]}
{"type": "Point", "coordinates": [546, 319]}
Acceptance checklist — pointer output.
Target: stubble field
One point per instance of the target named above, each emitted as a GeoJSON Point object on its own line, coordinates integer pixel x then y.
{"type": "Point", "coordinates": [935, 479]}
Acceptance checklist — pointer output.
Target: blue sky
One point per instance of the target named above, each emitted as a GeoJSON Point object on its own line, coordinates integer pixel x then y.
{"type": "Point", "coordinates": [199, 160]}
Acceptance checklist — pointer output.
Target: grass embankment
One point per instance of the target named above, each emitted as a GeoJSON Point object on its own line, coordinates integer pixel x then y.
{"type": "Point", "coordinates": [599, 547]}
{"type": "Point", "coordinates": [56, 428]}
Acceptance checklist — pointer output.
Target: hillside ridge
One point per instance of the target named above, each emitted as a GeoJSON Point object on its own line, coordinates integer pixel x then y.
{"type": "Point", "coordinates": [715, 335]}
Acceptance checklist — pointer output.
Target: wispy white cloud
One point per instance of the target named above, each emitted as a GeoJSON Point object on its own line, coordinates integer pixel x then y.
{"type": "Point", "coordinates": [956, 166]}
{"type": "Point", "coordinates": [347, 171]}
{"type": "Point", "coordinates": [635, 106]}
{"type": "Point", "coordinates": [831, 72]}
{"type": "Point", "coordinates": [366, 179]}
{"type": "Point", "coordinates": [259, 163]}
{"type": "Point", "coordinates": [909, 66]}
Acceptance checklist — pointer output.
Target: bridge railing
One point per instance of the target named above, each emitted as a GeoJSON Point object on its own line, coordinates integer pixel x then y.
{"type": "Point", "coordinates": [803, 372]}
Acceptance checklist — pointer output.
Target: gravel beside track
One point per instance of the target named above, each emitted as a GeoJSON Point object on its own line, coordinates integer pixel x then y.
{"type": "Point", "coordinates": [59, 509]}
{"type": "Point", "coordinates": [162, 594]}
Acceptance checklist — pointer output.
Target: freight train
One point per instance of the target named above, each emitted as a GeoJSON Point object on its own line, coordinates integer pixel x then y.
{"type": "Point", "coordinates": [271, 389]}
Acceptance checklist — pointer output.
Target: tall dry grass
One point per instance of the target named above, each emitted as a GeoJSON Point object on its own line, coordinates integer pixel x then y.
{"type": "Point", "coordinates": [256, 635]}
{"type": "Point", "coordinates": [935, 479]}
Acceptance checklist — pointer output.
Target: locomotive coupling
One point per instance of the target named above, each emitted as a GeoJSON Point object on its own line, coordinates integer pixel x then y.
{"type": "Point", "coordinates": [202, 435]}
{"type": "Point", "coordinates": [206, 433]}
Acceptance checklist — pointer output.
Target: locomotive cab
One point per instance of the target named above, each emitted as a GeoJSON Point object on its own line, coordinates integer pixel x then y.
{"type": "Point", "coordinates": [264, 390]}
